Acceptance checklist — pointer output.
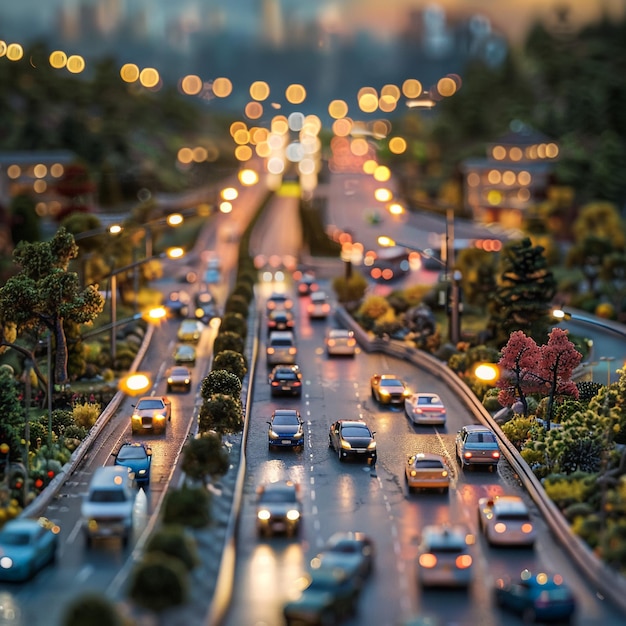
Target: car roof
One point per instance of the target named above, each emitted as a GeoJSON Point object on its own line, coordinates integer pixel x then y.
{"type": "Point", "coordinates": [443, 535]}
{"type": "Point", "coordinates": [339, 332]}
{"type": "Point", "coordinates": [427, 456]}
{"type": "Point", "coordinates": [292, 367]}
{"type": "Point", "coordinates": [180, 369]}
{"type": "Point", "coordinates": [106, 476]}
{"type": "Point", "coordinates": [425, 394]}
{"type": "Point", "coordinates": [23, 524]}
{"type": "Point", "coordinates": [286, 412]}
{"type": "Point", "coordinates": [281, 485]}
{"type": "Point", "coordinates": [281, 334]}
{"type": "Point", "coordinates": [509, 504]}
{"type": "Point", "coordinates": [349, 535]}
{"type": "Point", "coordinates": [477, 428]}
{"type": "Point", "coordinates": [352, 423]}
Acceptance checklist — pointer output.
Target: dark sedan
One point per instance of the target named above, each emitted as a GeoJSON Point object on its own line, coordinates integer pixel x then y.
{"type": "Point", "coordinates": [280, 319]}
{"type": "Point", "coordinates": [138, 457]}
{"type": "Point", "coordinates": [285, 429]}
{"type": "Point", "coordinates": [352, 439]}
{"type": "Point", "coordinates": [286, 380]}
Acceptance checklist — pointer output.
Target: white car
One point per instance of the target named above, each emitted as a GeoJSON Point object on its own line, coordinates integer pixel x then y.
{"type": "Point", "coordinates": [425, 408]}
{"type": "Point", "coordinates": [445, 556]}
{"type": "Point", "coordinates": [340, 342]}
{"type": "Point", "coordinates": [318, 307]}
{"type": "Point", "coordinates": [505, 521]}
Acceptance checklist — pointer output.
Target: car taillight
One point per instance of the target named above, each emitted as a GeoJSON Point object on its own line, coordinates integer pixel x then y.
{"type": "Point", "coordinates": [464, 561]}
{"type": "Point", "coordinates": [500, 527]}
{"type": "Point", "coordinates": [467, 455]}
{"type": "Point", "coordinates": [527, 528]}
{"type": "Point", "coordinates": [331, 342]}
{"type": "Point", "coordinates": [270, 350]}
{"type": "Point", "coordinates": [292, 350]}
{"type": "Point", "coordinates": [428, 560]}
{"type": "Point", "coordinates": [496, 455]}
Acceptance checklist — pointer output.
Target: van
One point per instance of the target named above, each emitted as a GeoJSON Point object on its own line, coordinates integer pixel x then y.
{"type": "Point", "coordinates": [107, 509]}
{"type": "Point", "coordinates": [281, 348]}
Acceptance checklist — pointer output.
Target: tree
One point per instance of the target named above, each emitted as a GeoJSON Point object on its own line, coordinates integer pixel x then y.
{"type": "Point", "coordinates": [221, 413]}
{"type": "Point", "coordinates": [228, 340]}
{"type": "Point", "coordinates": [89, 609]}
{"type": "Point", "coordinates": [231, 361]}
{"type": "Point", "coordinates": [523, 297]}
{"type": "Point", "coordinates": [221, 381]}
{"type": "Point", "coordinates": [205, 457]}
{"type": "Point", "coordinates": [527, 368]}
{"type": "Point", "coordinates": [44, 294]}
{"type": "Point", "coordinates": [12, 413]}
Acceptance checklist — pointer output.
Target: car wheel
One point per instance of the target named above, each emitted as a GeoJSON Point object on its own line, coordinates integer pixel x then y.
{"type": "Point", "coordinates": [373, 394]}
{"type": "Point", "coordinates": [339, 456]}
{"type": "Point", "coordinates": [169, 388]}
{"type": "Point", "coordinates": [330, 441]}
{"type": "Point", "coordinates": [88, 541]}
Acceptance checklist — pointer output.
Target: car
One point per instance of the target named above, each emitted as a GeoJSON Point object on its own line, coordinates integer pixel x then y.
{"type": "Point", "coordinates": [205, 307]}
{"type": "Point", "coordinates": [278, 508]}
{"type": "Point", "coordinates": [190, 330]}
{"type": "Point", "coordinates": [505, 521]}
{"type": "Point", "coordinates": [426, 470]}
{"type": "Point", "coordinates": [151, 413]}
{"type": "Point", "coordinates": [318, 307]}
{"type": "Point", "coordinates": [477, 446]}
{"type": "Point", "coordinates": [281, 348]}
{"type": "Point", "coordinates": [340, 342]}
{"type": "Point", "coordinates": [177, 303]}
{"type": "Point", "coordinates": [388, 389]}
{"type": "Point", "coordinates": [352, 439]}
{"type": "Point", "coordinates": [279, 300]}
{"type": "Point", "coordinates": [280, 319]}
{"type": "Point", "coordinates": [445, 556]}
{"type": "Point", "coordinates": [138, 457]}
{"type": "Point", "coordinates": [307, 284]}
{"type": "Point", "coordinates": [330, 596]}
{"type": "Point", "coordinates": [212, 276]}
{"type": "Point", "coordinates": [536, 597]}
{"type": "Point", "coordinates": [285, 380]}
{"type": "Point", "coordinates": [352, 551]}
{"type": "Point", "coordinates": [178, 377]}
{"type": "Point", "coordinates": [27, 545]}
{"type": "Point", "coordinates": [285, 429]}
{"type": "Point", "coordinates": [425, 409]}
{"type": "Point", "coordinates": [185, 353]}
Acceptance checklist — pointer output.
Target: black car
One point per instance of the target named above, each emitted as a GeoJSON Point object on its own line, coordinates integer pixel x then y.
{"type": "Point", "coordinates": [205, 306]}
{"type": "Point", "coordinates": [285, 429]}
{"type": "Point", "coordinates": [177, 303]}
{"type": "Point", "coordinates": [286, 380]}
{"type": "Point", "coordinates": [278, 508]}
{"type": "Point", "coordinates": [352, 439]}
{"type": "Point", "coordinates": [280, 319]}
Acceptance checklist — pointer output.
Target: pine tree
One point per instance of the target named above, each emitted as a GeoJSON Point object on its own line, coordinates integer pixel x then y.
{"type": "Point", "coordinates": [522, 300]}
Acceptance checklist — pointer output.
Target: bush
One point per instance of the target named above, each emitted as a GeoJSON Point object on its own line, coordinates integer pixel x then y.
{"type": "Point", "coordinates": [228, 341]}
{"type": "Point", "coordinates": [236, 304]}
{"type": "Point", "coordinates": [245, 290]}
{"type": "Point", "coordinates": [205, 456]}
{"type": "Point", "coordinates": [174, 541]}
{"type": "Point", "coordinates": [159, 582]}
{"type": "Point", "coordinates": [221, 381]}
{"type": "Point", "coordinates": [124, 359]}
{"type": "Point", "coordinates": [221, 413]}
{"type": "Point", "coordinates": [61, 420]}
{"type": "Point", "coordinates": [232, 362]}
{"type": "Point", "coordinates": [234, 322]}
{"type": "Point", "coordinates": [86, 414]}
{"type": "Point", "coordinates": [187, 507]}
{"type": "Point", "coordinates": [350, 289]}
{"type": "Point", "coordinates": [90, 609]}
{"type": "Point", "coordinates": [75, 432]}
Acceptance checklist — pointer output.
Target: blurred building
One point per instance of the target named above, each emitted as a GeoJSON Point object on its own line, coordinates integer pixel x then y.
{"type": "Point", "coordinates": [514, 175]}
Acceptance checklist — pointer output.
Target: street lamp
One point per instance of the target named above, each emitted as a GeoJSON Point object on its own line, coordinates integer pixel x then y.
{"type": "Point", "coordinates": [454, 299]}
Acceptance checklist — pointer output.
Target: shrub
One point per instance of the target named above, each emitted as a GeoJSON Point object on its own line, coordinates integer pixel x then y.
{"type": "Point", "coordinates": [350, 289]}
{"type": "Point", "coordinates": [75, 432]}
{"type": "Point", "coordinates": [245, 290]}
{"type": "Point", "coordinates": [228, 341]}
{"type": "Point", "coordinates": [159, 582]}
{"type": "Point", "coordinates": [490, 400]}
{"type": "Point", "coordinates": [234, 322]}
{"type": "Point", "coordinates": [205, 456]}
{"type": "Point", "coordinates": [173, 540]}
{"type": "Point", "coordinates": [236, 304]}
{"type": "Point", "coordinates": [61, 420]}
{"type": "Point", "coordinates": [38, 431]}
{"type": "Point", "coordinates": [89, 609]}
{"type": "Point", "coordinates": [187, 507]}
{"type": "Point", "coordinates": [232, 362]}
{"type": "Point", "coordinates": [86, 414]}
{"type": "Point", "coordinates": [221, 413]}
{"type": "Point", "coordinates": [124, 359]}
{"type": "Point", "coordinates": [221, 381]}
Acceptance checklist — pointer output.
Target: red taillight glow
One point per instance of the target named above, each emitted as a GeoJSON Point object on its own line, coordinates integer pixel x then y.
{"type": "Point", "coordinates": [428, 560]}
{"type": "Point", "coordinates": [527, 528]}
{"type": "Point", "coordinates": [464, 561]}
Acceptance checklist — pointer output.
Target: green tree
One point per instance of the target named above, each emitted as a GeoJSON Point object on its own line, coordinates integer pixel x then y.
{"type": "Point", "coordinates": [25, 223]}
{"type": "Point", "coordinates": [204, 457]}
{"type": "Point", "coordinates": [221, 381]}
{"type": "Point", "coordinates": [89, 609]}
{"type": "Point", "coordinates": [44, 294]}
{"type": "Point", "coordinates": [221, 413]}
{"type": "Point", "coordinates": [523, 297]}
{"type": "Point", "coordinates": [228, 340]}
{"type": "Point", "coordinates": [231, 361]}
{"type": "Point", "coordinates": [176, 542]}
{"type": "Point", "coordinates": [12, 412]}
{"type": "Point", "coordinates": [234, 322]}
{"type": "Point", "coordinates": [187, 507]}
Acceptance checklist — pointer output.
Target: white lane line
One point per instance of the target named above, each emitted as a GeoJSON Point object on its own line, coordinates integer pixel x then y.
{"type": "Point", "coordinates": [84, 573]}
{"type": "Point", "coordinates": [72, 536]}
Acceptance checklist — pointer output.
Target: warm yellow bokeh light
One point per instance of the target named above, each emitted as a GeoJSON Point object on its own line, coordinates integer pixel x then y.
{"type": "Point", "coordinates": [280, 125]}
{"type": "Point", "coordinates": [14, 52]}
{"type": "Point", "coordinates": [369, 167]}
{"type": "Point", "coordinates": [75, 64]}
{"type": "Point", "coordinates": [392, 91]}
{"type": "Point", "coordinates": [446, 87]}
{"type": "Point", "coordinates": [337, 109]}
{"type": "Point", "coordinates": [263, 149]}
{"type": "Point", "coordinates": [382, 194]}
{"type": "Point", "coordinates": [359, 147]}
{"type": "Point", "coordinates": [295, 94]}
{"type": "Point", "coordinates": [3, 48]}
{"type": "Point", "coordinates": [253, 110]}
{"type": "Point", "coordinates": [14, 171]}
{"type": "Point", "coordinates": [175, 219]}
{"type": "Point", "coordinates": [259, 90]}
{"type": "Point", "coordinates": [342, 127]}
{"type": "Point", "coordinates": [136, 384]}
{"type": "Point", "coordinates": [185, 155]}
{"type": "Point", "coordinates": [129, 73]}
{"type": "Point", "coordinates": [241, 137]}
{"type": "Point", "coordinates": [175, 252]}
{"type": "Point", "coordinates": [243, 153]}
{"type": "Point", "coordinates": [248, 177]}
{"type": "Point", "coordinates": [498, 153]}
{"type": "Point", "coordinates": [368, 102]}
{"type": "Point", "coordinates": [191, 85]}
{"type": "Point", "coordinates": [515, 154]}
{"type": "Point", "coordinates": [58, 59]}
{"type": "Point", "coordinates": [494, 197]}
{"type": "Point", "coordinates": [222, 87]}
{"type": "Point", "coordinates": [397, 145]}
{"type": "Point", "coordinates": [412, 88]}
{"type": "Point", "coordinates": [149, 77]}
{"type": "Point", "coordinates": [387, 104]}
{"type": "Point", "coordinates": [39, 186]}
{"type": "Point", "coordinates": [199, 154]}
{"type": "Point", "coordinates": [382, 173]}
{"type": "Point", "coordinates": [226, 207]}
{"type": "Point", "coordinates": [395, 208]}
{"type": "Point", "coordinates": [229, 193]}
{"type": "Point", "coordinates": [487, 372]}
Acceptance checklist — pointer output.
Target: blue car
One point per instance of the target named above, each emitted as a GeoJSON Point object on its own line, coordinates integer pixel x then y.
{"type": "Point", "coordinates": [285, 429]}
{"type": "Point", "coordinates": [536, 597]}
{"type": "Point", "coordinates": [137, 457]}
{"type": "Point", "coordinates": [26, 546]}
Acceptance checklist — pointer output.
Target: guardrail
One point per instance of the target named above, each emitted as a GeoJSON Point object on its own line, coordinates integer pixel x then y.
{"type": "Point", "coordinates": [607, 581]}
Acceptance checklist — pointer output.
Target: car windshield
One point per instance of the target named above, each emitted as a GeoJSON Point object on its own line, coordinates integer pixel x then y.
{"type": "Point", "coordinates": [179, 371]}
{"type": "Point", "coordinates": [286, 376]}
{"type": "Point", "coordinates": [131, 452]}
{"type": "Point", "coordinates": [9, 538]}
{"type": "Point", "coordinates": [278, 496]}
{"type": "Point", "coordinates": [420, 465]}
{"type": "Point", "coordinates": [513, 517]}
{"type": "Point", "coordinates": [392, 382]}
{"type": "Point", "coordinates": [281, 343]}
{"type": "Point", "coordinates": [284, 420]}
{"type": "Point", "coordinates": [481, 438]}
{"type": "Point", "coordinates": [107, 495]}
{"type": "Point", "coordinates": [355, 431]}
{"type": "Point", "coordinates": [149, 404]}
{"type": "Point", "coordinates": [426, 400]}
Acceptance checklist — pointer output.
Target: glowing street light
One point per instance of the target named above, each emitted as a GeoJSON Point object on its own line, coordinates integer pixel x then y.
{"type": "Point", "coordinates": [135, 384]}
{"type": "Point", "coordinates": [487, 372]}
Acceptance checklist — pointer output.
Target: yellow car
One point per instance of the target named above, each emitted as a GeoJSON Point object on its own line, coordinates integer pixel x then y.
{"type": "Point", "coordinates": [389, 389]}
{"type": "Point", "coordinates": [427, 471]}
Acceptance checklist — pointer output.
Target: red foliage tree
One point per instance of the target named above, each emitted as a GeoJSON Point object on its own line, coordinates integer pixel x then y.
{"type": "Point", "coordinates": [528, 368]}
{"type": "Point", "coordinates": [77, 187]}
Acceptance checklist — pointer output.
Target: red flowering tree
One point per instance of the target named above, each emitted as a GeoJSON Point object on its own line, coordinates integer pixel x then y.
{"type": "Point", "coordinates": [528, 368]}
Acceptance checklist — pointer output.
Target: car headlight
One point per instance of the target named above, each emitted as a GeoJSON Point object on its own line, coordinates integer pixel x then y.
{"type": "Point", "coordinates": [372, 445]}
{"type": "Point", "coordinates": [345, 445]}
{"type": "Point", "coordinates": [6, 562]}
{"type": "Point", "coordinates": [293, 515]}
{"type": "Point", "coordinates": [298, 435]}
{"type": "Point", "coordinates": [159, 416]}
{"type": "Point", "coordinates": [170, 380]}
{"type": "Point", "coordinates": [383, 392]}
{"type": "Point", "coordinates": [273, 435]}
{"type": "Point", "coordinates": [136, 417]}
{"type": "Point", "coordinates": [264, 515]}
{"type": "Point", "coordinates": [141, 472]}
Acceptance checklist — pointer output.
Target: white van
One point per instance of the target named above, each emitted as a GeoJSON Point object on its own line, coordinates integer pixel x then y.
{"type": "Point", "coordinates": [281, 348]}
{"type": "Point", "coordinates": [107, 509]}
